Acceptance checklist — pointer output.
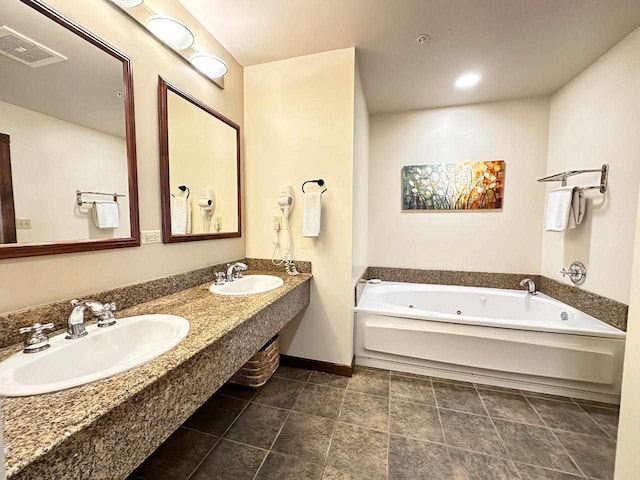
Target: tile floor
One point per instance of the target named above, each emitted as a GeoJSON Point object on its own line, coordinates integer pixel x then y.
{"type": "Point", "coordinates": [386, 425]}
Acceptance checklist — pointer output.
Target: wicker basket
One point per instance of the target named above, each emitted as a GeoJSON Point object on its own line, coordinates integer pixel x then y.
{"type": "Point", "coordinates": [259, 369]}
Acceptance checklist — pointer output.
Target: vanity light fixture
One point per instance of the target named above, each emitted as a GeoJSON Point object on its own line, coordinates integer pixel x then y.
{"type": "Point", "coordinates": [177, 36]}
{"type": "Point", "coordinates": [468, 80]}
{"type": "Point", "coordinates": [171, 31]}
{"type": "Point", "coordinates": [129, 3]}
{"type": "Point", "coordinates": [210, 65]}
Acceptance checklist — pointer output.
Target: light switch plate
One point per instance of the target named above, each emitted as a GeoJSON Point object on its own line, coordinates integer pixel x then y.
{"type": "Point", "coordinates": [151, 236]}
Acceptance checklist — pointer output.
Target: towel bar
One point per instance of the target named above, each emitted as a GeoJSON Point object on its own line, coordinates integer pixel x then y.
{"type": "Point", "coordinates": [80, 201]}
{"type": "Point", "coordinates": [562, 177]}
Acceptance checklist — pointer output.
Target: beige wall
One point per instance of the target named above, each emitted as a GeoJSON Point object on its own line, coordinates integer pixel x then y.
{"type": "Point", "coordinates": [595, 119]}
{"type": "Point", "coordinates": [299, 125]}
{"type": "Point", "coordinates": [46, 173]}
{"type": "Point", "coordinates": [360, 181]}
{"type": "Point", "coordinates": [627, 458]}
{"type": "Point", "coordinates": [43, 279]}
{"type": "Point", "coordinates": [506, 240]}
{"type": "Point", "coordinates": [203, 154]}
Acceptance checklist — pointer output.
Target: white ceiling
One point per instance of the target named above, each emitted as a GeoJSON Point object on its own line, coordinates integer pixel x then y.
{"type": "Point", "coordinates": [521, 47]}
{"type": "Point", "coordinates": [79, 90]}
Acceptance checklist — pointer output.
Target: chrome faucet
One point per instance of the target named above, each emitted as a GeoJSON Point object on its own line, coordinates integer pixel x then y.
{"type": "Point", "coordinates": [576, 272]}
{"type": "Point", "coordinates": [76, 323]}
{"type": "Point", "coordinates": [530, 285]}
{"type": "Point", "coordinates": [234, 270]}
{"type": "Point", "coordinates": [37, 340]}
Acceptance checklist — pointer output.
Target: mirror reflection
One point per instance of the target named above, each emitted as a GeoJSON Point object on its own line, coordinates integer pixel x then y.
{"type": "Point", "coordinates": [62, 130]}
{"type": "Point", "coordinates": [203, 168]}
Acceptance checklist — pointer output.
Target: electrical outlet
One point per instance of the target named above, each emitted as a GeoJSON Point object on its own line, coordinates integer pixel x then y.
{"type": "Point", "coordinates": [217, 224]}
{"type": "Point", "coordinates": [277, 223]}
{"type": "Point", "coordinates": [151, 236]}
{"type": "Point", "coordinates": [23, 224]}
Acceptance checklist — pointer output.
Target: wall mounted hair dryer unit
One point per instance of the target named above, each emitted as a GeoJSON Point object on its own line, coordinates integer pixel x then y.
{"type": "Point", "coordinates": [286, 200]}
{"type": "Point", "coordinates": [207, 204]}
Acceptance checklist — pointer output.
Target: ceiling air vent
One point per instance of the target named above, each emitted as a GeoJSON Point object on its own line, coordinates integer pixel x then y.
{"type": "Point", "coordinates": [24, 50]}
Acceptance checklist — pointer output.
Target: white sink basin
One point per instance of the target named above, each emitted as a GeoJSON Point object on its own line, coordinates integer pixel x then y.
{"type": "Point", "coordinates": [248, 285]}
{"type": "Point", "coordinates": [104, 352]}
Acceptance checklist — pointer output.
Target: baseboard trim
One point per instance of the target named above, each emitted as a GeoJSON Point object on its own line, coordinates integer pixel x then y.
{"type": "Point", "coordinates": [317, 365]}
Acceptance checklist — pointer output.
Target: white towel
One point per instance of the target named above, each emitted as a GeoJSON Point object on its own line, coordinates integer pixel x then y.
{"type": "Point", "coordinates": [180, 215]}
{"type": "Point", "coordinates": [312, 213]}
{"type": "Point", "coordinates": [578, 207]}
{"type": "Point", "coordinates": [565, 209]}
{"type": "Point", "coordinates": [106, 215]}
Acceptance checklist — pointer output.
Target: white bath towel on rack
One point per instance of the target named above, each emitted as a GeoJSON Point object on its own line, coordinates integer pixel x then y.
{"type": "Point", "coordinates": [180, 215]}
{"type": "Point", "coordinates": [105, 214]}
{"type": "Point", "coordinates": [578, 208]}
{"type": "Point", "coordinates": [312, 214]}
{"type": "Point", "coordinates": [565, 209]}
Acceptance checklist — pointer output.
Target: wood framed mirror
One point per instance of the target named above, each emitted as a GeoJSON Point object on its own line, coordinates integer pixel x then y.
{"type": "Point", "coordinates": [199, 169]}
{"type": "Point", "coordinates": [68, 180]}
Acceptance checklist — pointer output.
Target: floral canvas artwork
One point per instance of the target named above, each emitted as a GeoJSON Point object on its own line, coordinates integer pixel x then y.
{"type": "Point", "coordinates": [453, 186]}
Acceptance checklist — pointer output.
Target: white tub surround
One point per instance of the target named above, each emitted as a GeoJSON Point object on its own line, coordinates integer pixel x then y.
{"type": "Point", "coordinates": [500, 337]}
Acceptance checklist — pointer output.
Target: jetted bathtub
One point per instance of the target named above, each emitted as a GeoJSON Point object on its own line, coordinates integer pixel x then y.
{"type": "Point", "coordinates": [501, 337]}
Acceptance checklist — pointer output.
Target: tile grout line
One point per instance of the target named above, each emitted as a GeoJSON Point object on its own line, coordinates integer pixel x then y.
{"type": "Point", "coordinates": [255, 475]}
{"type": "Point", "coordinates": [275, 439]}
{"type": "Point", "coordinates": [435, 399]}
{"type": "Point", "coordinates": [448, 447]}
{"type": "Point", "coordinates": [522, 423]}
{"type": "Point", "coordinates": [431, 380]}
{"type": "Point", "coordinates": [556, 439]}
{"type": "Point", "coordinates": [500, 457]}
{"type": "Point", "coordinates": [502, 442]}
{"type": "Point", "coordinates": [246, 405]}
{"type": "Point", "coordinates": [389, 429]}
{"type": "Point", "coordinates": [422, 405]}
{"type": "Point", "coordinates": [597, 423]}
{"type": "Point", "coordinates": [335, 427]}
{"type": "Point", "coordinates": [506, 457]}
{"type": "Point", "coordinates": [444, 438]}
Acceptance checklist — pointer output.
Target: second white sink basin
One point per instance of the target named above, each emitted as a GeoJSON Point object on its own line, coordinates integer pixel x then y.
{"type": "Point", "coordinates": [248, 285]}
{"type": "Point", "coordinates": [104, 352]}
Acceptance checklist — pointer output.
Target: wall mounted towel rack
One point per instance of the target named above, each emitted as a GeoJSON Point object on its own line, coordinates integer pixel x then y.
{"type": "Point", "coordinates": [80, 201]}
{"type": "Point", "coordinates": [183, 188]}
{"type": "Point", "coordinates": [319, 181]}
{"type": "Point", "coordinates": [562, 177]}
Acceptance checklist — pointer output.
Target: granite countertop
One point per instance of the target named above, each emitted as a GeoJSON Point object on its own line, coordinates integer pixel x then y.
{"type": "Point", "coordinates": [34, 425]}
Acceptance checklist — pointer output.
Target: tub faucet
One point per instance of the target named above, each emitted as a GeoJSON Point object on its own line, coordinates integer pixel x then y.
{"type": "Point", "coordinates": [76, 323]}
{"type": "Point", "coordinates": [234, 270]}
{"type": "Point", "coordinates": [530, 284]}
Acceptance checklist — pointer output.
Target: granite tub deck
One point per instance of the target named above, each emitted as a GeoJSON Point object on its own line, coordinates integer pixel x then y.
{"type": "Point", "coordinates": [609, 311]}
{"type": "Point", "coordinates": [103, 430]}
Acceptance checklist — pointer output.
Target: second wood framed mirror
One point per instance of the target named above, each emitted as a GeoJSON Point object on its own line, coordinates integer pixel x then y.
{"type": "Point", "coordinates": [199, 169]}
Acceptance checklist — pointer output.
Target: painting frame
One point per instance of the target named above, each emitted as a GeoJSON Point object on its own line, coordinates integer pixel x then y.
{"type": "Point", "coordinates": [447, 187]}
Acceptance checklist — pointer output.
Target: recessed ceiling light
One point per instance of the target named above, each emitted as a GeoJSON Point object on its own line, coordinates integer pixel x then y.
{"type": "Point", "coordinates": [128, 3]}
{"type": "Point", "coordinates": [210, 65]}
{"type": "Point", "coordinates": [422, 39]}
{"type": "Point", "coordinates": [467, 80]}
{"type": "Point", "coordinates": [171, 31]}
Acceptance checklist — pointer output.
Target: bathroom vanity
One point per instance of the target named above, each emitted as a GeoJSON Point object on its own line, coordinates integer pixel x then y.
{"type": "Point", "coordinates": [104, 429]}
